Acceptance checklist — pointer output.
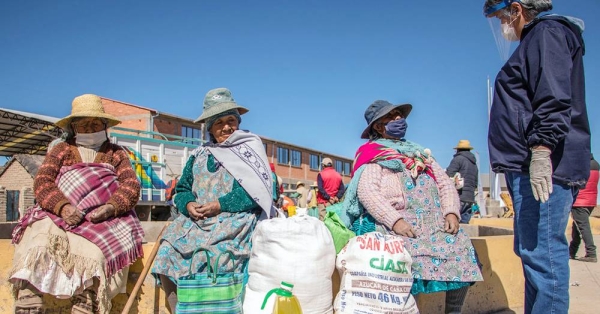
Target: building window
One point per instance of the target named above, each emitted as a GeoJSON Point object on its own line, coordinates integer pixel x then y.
{"type": "Point", "coordinates": [296, 158]}
{"type": "Point", "coordinates": [338, 166]}
{"type": "Point", "coordinates": [347, 168]}
{"type": "Point", "coordinates": [313, 160]}
{"type": "Point", "coordinates": [283, 156]}
{"type": "Point", "coordinates": [190, 134]}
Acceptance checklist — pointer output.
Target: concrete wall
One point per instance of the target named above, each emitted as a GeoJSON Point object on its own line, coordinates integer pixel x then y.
{"type": "Point", "coordinates": [508, 223]}
{"type": "Point", "coordinates": [502, 287]}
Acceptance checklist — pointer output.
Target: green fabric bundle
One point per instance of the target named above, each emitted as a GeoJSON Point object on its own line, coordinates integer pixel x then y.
{"type": "Point", "coordinates": [340, 233]}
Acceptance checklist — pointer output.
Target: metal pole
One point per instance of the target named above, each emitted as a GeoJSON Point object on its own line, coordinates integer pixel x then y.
{"type": "Point", "coordinates": [489, 106]}
{"type": "Point", "coordinates": [480, 197]}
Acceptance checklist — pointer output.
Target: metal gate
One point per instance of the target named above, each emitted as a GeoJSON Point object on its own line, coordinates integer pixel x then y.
{"type": "Point", "coordinates": [12, 205]}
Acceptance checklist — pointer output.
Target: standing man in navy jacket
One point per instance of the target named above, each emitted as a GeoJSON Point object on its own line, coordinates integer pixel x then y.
{"type": "Point", "coordinates": [465, 163]}
{"type": "Point", "coordinates": [539, 137]}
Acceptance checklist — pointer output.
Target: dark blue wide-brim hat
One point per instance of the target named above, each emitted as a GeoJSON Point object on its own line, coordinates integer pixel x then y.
{"type": "Point", "coordinates": [378, 110]}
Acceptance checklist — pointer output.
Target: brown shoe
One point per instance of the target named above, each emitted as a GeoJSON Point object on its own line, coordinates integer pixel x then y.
{"type": "Point", "coordinates": [589, 259]}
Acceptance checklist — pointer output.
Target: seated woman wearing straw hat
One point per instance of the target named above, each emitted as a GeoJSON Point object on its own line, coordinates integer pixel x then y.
{"type": "Point", "coordinates": [82, 235]}
{"type": "Point", "coordinates": [225, 186]}
{"type": "Point", "coordinates": [398, 188]}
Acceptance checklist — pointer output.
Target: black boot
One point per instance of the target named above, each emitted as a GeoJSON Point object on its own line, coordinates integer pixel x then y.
{"type": "Point", "coordinates": [455, 299]}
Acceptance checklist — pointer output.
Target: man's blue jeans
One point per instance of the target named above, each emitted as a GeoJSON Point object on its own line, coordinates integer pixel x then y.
{"type": "Point", "coordinates": [465, 212]}
{"type": "Point", "coordinates": [541, 244]}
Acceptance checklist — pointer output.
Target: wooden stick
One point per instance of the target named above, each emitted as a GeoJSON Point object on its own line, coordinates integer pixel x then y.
{"type": "Point", "coordinates": [140, 281]}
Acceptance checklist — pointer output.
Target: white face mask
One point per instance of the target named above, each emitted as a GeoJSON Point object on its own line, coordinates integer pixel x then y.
{"type": "Point", "coordinates": [508, 32]}
{"type": "Point", "coordinates": [91, 140]}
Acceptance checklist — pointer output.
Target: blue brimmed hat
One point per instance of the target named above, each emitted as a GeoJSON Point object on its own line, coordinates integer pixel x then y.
{"type": "Point", "coordinates": [217, 101]}
{"type": "Point", "coordinates": [493, 8]}
{"type": "Point", "coordinates": [378, 110]}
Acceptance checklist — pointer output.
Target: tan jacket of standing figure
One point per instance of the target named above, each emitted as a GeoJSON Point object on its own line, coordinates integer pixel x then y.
{"type": "Point", "coordinates": [302, 194]}
{"type": "Point", "coordinates": [312, 196]}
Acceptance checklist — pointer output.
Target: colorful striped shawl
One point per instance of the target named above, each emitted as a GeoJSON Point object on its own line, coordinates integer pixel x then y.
{"type": "Point", "coordinates": [395, 155]}
{"type": "Point", "coordinates": [88, 186]}
{"type": "Point", "coordinates": [374, 152]}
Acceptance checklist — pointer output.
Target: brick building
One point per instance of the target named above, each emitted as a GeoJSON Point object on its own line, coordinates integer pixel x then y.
{"type": "Point", "coordinates": [293, 163]}
{"type": "Point", "coordinates": [147, 119]}
{"type": "Point", "coordinates": [16, 185]}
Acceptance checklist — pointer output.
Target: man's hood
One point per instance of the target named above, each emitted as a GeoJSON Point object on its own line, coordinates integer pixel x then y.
{"type": "Point", "coordinates": [468, 155]}
{"type": "Point", "coordinates": [574, 24]}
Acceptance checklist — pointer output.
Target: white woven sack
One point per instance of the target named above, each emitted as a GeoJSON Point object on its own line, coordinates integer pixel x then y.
{"type": "Point", "coordinates": [376, 276]}
{"type": "Point", "coordinates": [298, 250]}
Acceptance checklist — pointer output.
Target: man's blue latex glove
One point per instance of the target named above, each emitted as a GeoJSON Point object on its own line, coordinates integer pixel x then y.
{"type": "Point", "coordinates": [540, 173]}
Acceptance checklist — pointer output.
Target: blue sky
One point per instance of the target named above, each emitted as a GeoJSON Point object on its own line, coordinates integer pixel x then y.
{"type": "Point", "coordinates": [307, 70]}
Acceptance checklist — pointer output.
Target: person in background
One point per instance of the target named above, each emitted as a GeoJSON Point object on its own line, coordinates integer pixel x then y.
{"type": "Point", "coordinates": [581, 211]}
{"type": "Point", "coordinates": [220, 196]}
{"type": "Point", "coordinates": [302, 196]}
{"type": "Point", "coordinates": [330, 187]}
{"type": "Point", "coordinates": [399, 186]}
{"type": "Point", "coordinates": [311, 200]}
{"type": "Point", "coordinates": [277, 190]}
{"type": "Point", "coordinates": [81, 237]}
{"type": "Point", "coordinates": [464, 162]}
{"type": "Point", "coordinates": [539, 137]}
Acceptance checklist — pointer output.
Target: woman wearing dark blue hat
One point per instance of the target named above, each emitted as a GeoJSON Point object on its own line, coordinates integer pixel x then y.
{"type": "Point", "coordinates": [399, 188]}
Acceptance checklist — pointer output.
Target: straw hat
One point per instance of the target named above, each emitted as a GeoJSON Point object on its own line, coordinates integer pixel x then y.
{"type": "Point", "coordinates": [299, 183]}
{"type": "Point", "coordinates": [216, 101]}
{"type": "Point", "coordinates": [378, 110]}
{"type": "Point", "coordinates": [464, 144]}
{"type": "Point", "coordinates": [314, 185]}
{"type": "Point", "coordinates": [87, 106]}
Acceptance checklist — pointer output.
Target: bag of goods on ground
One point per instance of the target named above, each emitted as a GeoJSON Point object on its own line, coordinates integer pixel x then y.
{"type": "Point", "coordinates": [376, 276]}
{"type": "Point", "coordinates": [298, 250]}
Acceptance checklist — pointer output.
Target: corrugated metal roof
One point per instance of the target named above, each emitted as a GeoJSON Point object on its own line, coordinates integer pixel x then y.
{"type": "Point", "coordinates": [26, 133]}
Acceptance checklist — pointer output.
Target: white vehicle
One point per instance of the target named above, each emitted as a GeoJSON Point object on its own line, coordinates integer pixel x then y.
{"type": "Point", "coordinates": [157, 159]}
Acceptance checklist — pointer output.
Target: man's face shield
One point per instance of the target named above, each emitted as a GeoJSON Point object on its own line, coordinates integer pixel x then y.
{"type": "Point", "coordinates": [489, 11]}
{"type": "Point", "coordinates": [501, 23]}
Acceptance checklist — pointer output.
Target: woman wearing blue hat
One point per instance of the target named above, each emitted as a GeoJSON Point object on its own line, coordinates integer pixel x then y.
{"type": "Point", "coordinates": [399, 188]}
